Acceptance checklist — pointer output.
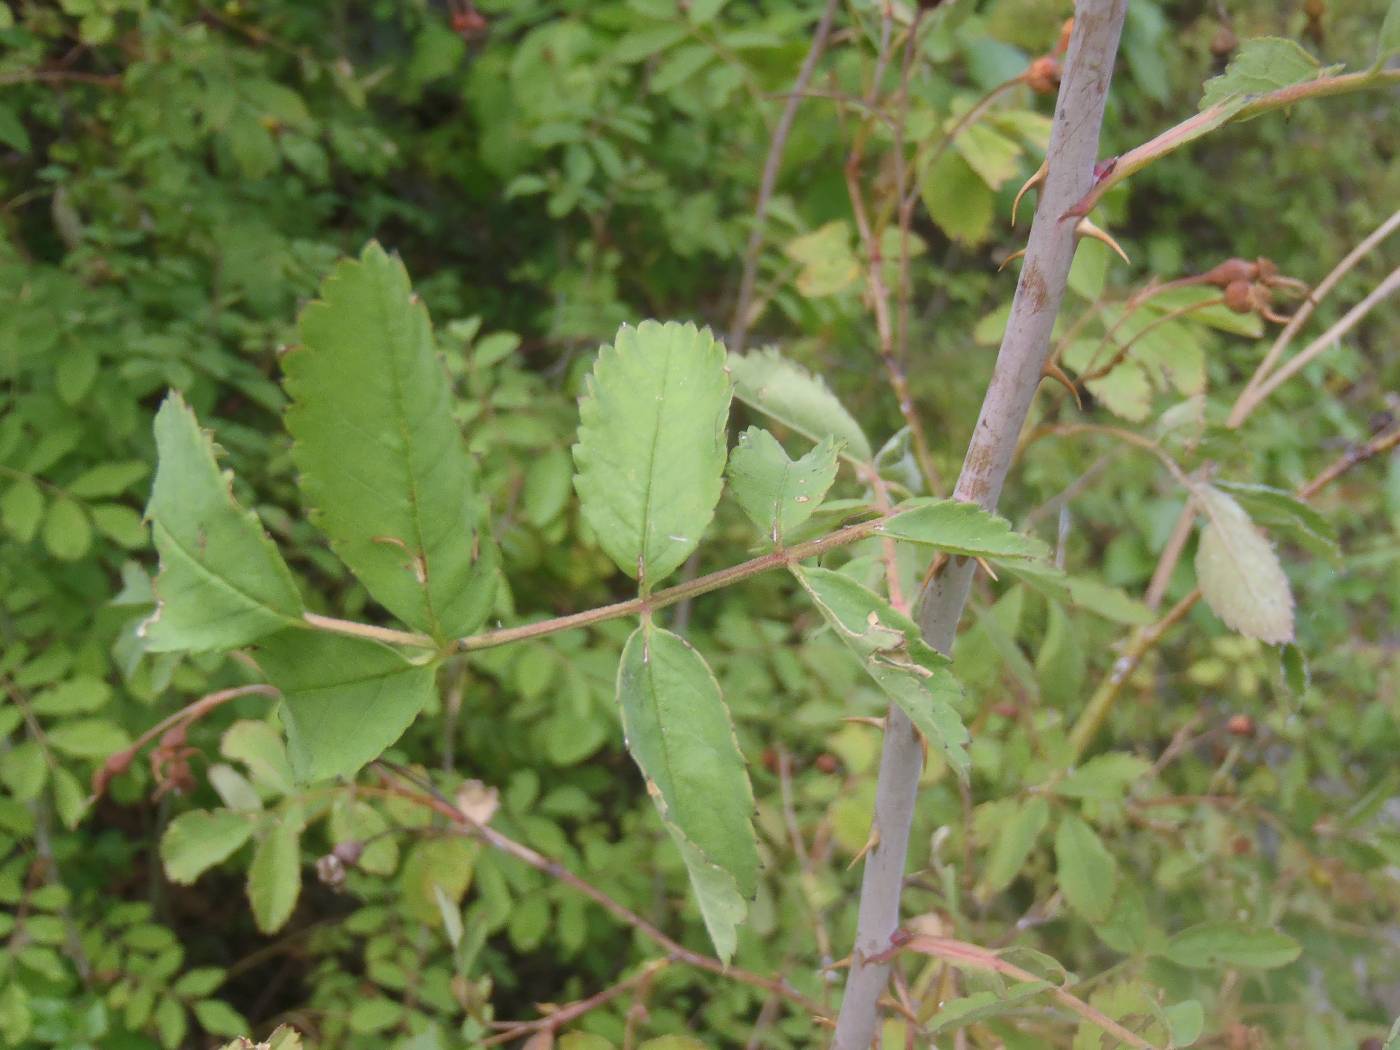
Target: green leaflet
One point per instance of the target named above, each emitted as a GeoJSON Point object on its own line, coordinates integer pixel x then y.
{"type": "Point", "coordinates": [678, 730]}
{"type": "Point", "coordinates": [960, 528]}
{"type": "Point", "coordinates": [222, 583]}
{"type": "Point", "coordinates": [274, 877]}
{"type": "Point", "coordinates": [908, 670]}
{"type": "Point", "coordinates": [776, 493]}
{"type": "Point", "coordinates": [781, 390]}
{"type": "Point", "coordinates": [1085, 870]}
{"type": "Point", "coordinates": [651, 445]}
{"type": "Point", "coordinates": [1213, 945]}
{"type": "Point", "coordinates": [383, 466]}
{"type": "Point", "coordinates": [344, 700]}
{"type": "Point", "coordinates": [195, 841]}
{"type": "Point", "coordinates": [1282, 512]}
{"type": "Point", "coordinates": [1239, 573]}
{"type": "Point", "coordinates": [1262, 64]}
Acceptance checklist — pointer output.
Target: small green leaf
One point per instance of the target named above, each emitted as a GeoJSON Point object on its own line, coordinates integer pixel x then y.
{"type": "Point", "coordinates": [908, 670]}
{"type": "Point", "coordinates": [196, 841]}
{"type": "Point", "coordinates": [1387, 44]}
{"type": "Point", "coordinates": [218, 1018]}
{"type": "Point", "coordinates": [982, 1006]}
{"type": "Point", "coordinates": [222, 583]}
{"type": "Point", "coordinates": [67, 531]}
{"type": "Point", "coordinates": [120, 524]}
{"type": "Point", "coordinates": [1104, 777]}
{"type": "Point", "coordinates": [777, 494]}
{"type": "Point", "coordinates": [1239, 573]}
{"type": "Point", "coordinates": [1294, 664]}
{"type": "Point", "coordinates": [344, 700]}
{"type": "Point", "coordinates": [1282, 512]}
{"type": "Point", "coordinates": [88, 738]}
{"type": "Point", "coordinates": [678, 731]}
{"type": "Point", "coordinates": [1262, 64]}
{"type": "Point", "coordinates": [994, 157]}
{"type": "Point", "coordinates": [434, 869]}
{"type": "Point", "coordinates": [259, 747]}
{"type": "Point", "coordinates": [21, 509]}
{"type": "Point", "coordinates": [1061, 664]}
{"type": "Point", "coordinates": [651, 447]}
{"type": "Point", "coordinates": [1185, 1020]}
{"type": "Point", "coordinates": [383, 465]}
{"type": "Point", "coordinates": [1016, 837]}
{"type": "Point", "coordinates": [1086, 871]}
{"type": "Point", "coordinates": [81, 695]}
{"type": "Point", "coordinates": [24, 770]}
{"type": "Point", "coordinates": [828, 263]}
{"type": "Point", "coordinates": [960, 528]}
{"type": "Point", "coordinates": [1214, 945]}
{"type": "Point", "coordinates": [274, 877]}
{"type": "Point", "coordinates": [771, 384]}
{"type": "Point", "coordinates": [957, 198]}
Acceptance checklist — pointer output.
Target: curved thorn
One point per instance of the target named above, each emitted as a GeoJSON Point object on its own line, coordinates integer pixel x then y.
{"type": "Point", "coordinates": [1034, 182]}
{"type": "Point", "coordinates": [1055, 372]}
{"type": "Point", "coordinates": [1010, 259]}
{"type": "Point", "coordinates": [1085, 228]}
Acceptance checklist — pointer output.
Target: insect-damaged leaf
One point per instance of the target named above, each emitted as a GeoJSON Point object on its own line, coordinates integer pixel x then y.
{"type": "Point", "coordinates": [222, 583]}
{"type": "Point", "coordinates": [344, 700]}
{"type": "Point", "coordinates": [776, 493]}
{"type": "Point", "coordinates": [383, 466]}
{"type": "Point", "coordinates": [960, 528]}
{"type": "Point", "coordinates": [771, 384]}
{"type": "Point", "coordinates": [908, 670]}
{"type": "Point", "coordinates": [651, 446]}
{"type": "Point", "coordinates": [678, 730]}
{"type": "Point", "coordinates": [1239, 573]}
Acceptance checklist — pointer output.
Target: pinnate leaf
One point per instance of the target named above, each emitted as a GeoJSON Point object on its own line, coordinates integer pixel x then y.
{"type": "Point", "coordinates": [651, 445]}
{"type": "Point", "coordinates": [678, 731]}
{"type": "Point", "coordinates": [908, 670]}
{"type": "Point", "coordinates": [960, 528]}
{"type": "Point", "coordinates": [384, 469]}
{"type": "Point", "coordinates": [344, 700]}
{"type": "Point", "coordinates": [1239, 573]}
{"type": "Point", "coordinates": [776, 493]}
{"type": "Point", "coordinates": [222, 583]}
{"type": "Point", "coordinates": [786, 392]}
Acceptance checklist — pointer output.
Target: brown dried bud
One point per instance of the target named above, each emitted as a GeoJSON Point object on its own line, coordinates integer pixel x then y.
{"type": "Point", "coordinates": [770, 759]}
{"type": "Point", "coordinates": [1268, 269]}
{"type": "Point", "coordinates": [1043, 76]}
{"type": "Point", "coordinates": [1231, 270]}
{"type": "Point", "coordinates": [1239, 297]}
{"type": "Point", "coordinates": [1241, 845]}
{"type": "Point", "coordinates": [826, 763]}
{"type": "Point", "coordinates": [348, 852]}
{"type": "Point", "coordinates": [330, 871]}
{"type": "Point", "coordinates": [1224, 42]}
{"type": "Point", "coordinates": [1240, 725]}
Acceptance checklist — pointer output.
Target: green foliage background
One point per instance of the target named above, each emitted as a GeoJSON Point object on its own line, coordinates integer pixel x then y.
{"type": "Point", "coordinates": [176, 180]}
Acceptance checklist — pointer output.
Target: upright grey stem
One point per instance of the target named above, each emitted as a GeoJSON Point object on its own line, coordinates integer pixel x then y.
{"type": "Point", "coordinates": [1074, 142]}
{"type": "Point", "coordinates": [739, 330]}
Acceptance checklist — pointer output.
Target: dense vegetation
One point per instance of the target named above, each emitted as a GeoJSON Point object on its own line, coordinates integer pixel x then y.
{"type": "Point", "coordinates": [1186, 827]}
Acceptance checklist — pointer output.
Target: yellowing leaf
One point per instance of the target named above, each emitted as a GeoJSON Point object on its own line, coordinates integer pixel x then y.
{"type": "Point", "coordinates": [1239, 573]}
